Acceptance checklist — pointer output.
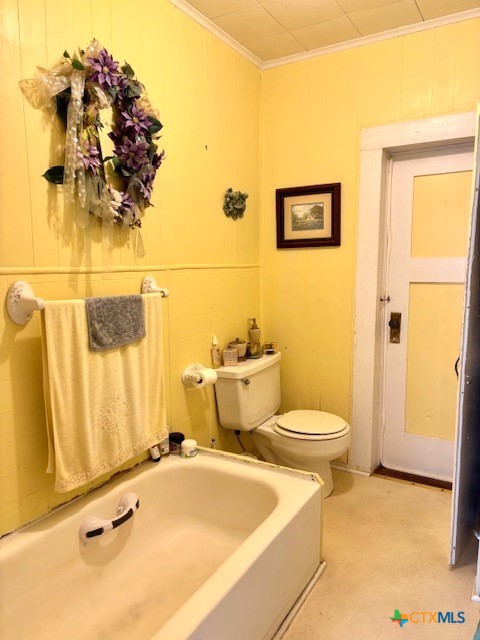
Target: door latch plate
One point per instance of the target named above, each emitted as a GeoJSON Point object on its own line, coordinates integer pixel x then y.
{"type": "Point", "coordinates": [395, 326]}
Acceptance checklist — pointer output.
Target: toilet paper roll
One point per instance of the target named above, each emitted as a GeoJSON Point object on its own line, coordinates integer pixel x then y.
{"type": "Point", "coordinates": [208, 377]}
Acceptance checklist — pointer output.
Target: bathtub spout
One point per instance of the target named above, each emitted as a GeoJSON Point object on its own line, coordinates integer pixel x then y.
{"type": "Point", "coordinates": [92, 527]}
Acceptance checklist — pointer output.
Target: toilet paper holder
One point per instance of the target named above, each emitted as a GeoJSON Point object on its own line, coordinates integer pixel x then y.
{"type": "Point", "coordinates": [195, 374]}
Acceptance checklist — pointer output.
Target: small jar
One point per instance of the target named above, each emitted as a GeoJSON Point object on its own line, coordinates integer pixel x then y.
{"type": "Point", "coordinates": [164, 447]}
{"type": "Point", "coordinates": [230, 357]}
{"type": "Point", "coordinates": [240, 346]}
{"type": "Point", "coordinates": [176, 438]}
{"type": "Point", "coordinates": [155, 453]}
{"type": "Point", "coordinates": [189, 448]}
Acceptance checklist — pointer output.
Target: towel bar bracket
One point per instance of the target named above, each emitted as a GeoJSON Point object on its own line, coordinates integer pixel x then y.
{"type": "Point", "coordinates": [22, 302]}
{"type": "Point", "coordinates": [149, 285]}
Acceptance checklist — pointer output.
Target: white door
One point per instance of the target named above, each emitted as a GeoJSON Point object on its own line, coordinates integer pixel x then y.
{"type": "Point", "coordinates": [426, 246]}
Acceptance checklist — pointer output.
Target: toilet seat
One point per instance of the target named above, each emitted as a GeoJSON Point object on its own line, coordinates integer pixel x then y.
{"type": "Point", "coordinates": [311, 425]}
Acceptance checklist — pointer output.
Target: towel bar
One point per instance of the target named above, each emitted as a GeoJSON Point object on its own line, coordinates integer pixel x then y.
{"type": "Point", "coordinates": [22, 302]}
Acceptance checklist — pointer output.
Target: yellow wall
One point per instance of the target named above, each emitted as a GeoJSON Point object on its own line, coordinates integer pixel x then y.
{"type": "Point", "coordinates": [208, 96]}
{"type": "Point", "coordinates": [313, 112]}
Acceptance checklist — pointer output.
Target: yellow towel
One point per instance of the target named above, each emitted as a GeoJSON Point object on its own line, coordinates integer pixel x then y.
{"type": "Point", "coordinates": [102, 408]}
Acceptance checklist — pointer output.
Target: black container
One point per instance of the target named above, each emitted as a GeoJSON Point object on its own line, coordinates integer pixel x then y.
{"type": "Point", "coordinates": [175, 441]}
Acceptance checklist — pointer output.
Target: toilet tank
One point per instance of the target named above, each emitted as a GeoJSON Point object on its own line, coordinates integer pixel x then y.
{"type": "Point", "coordinates": [249, 393]}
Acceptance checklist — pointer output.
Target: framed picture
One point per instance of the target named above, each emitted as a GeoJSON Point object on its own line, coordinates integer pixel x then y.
{"type": "Point", "coordinates": [308, 216]}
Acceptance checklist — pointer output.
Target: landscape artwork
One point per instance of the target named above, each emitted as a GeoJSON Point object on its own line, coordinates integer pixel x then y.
{"type": "Point", "coordinates": [308, 217]}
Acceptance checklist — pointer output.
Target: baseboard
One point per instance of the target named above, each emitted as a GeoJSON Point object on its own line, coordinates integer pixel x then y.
{"type": "Point", "coordinates": [347, 469]}
{"type": "Point", "coordinates": [412, 477]}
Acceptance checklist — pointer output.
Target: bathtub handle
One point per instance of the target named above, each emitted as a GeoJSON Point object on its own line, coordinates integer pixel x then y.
{"type": "Point", "coordinates": [92, 527]}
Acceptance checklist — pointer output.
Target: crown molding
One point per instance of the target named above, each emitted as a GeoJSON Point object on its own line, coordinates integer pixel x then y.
{"type": "Point", "coordinates": [376, 37]}
{"type": "Point", "coordinates": [350, 44]}
{"type": "Point", "coordinates": [212, 27]}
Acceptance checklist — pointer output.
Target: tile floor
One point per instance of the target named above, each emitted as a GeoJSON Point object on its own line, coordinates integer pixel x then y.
{"type": "Point", "coordinates": [386, 547]}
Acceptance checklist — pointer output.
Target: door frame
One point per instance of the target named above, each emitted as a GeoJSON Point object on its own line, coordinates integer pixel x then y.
{"type": "Point", "coordinates": [378, 145]}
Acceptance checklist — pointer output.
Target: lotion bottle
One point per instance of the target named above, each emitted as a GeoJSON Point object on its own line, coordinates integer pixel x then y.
{"type": "Point", "coordinates": [254, 331]}
{"type": "Point", "coordinates": [155, 453]}
{"type": "Point", "coordinates": [216, 358]}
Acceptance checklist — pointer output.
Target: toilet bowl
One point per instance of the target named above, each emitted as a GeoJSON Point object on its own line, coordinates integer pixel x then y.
{"type": "Point", "coordinates": [248, 397]}
{"type": "Point", "coordinates": [311, 441]}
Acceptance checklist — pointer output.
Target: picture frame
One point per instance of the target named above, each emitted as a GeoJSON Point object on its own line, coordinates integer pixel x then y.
{"type": "Point", "coordinates": [308, 216]}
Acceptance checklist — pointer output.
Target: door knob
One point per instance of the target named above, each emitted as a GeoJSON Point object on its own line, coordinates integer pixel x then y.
{"type": "Point", "coordinates": [395, 324]}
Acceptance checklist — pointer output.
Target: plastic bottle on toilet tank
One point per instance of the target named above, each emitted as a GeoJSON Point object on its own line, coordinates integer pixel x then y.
{"type": "Point", "coordinates": [216, 358]}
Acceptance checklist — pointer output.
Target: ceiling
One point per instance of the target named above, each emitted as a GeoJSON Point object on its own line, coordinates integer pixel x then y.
{"type": "Point", "coordinates": [272, 29]}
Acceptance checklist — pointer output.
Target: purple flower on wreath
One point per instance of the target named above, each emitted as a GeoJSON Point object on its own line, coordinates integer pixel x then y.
{"type": "Point", "coordinates": [132, 154]}
{"type": "Point", "coordinates": [105, 70]}
{"type": "Point", "coordinates": [89, 156]}
{"type": "Point", "coordinates": [136, 119]}
{"type": "Point", "coordinates": [127, 203]}
{"type": "Point", "coordinates": [146, 184]}
{"type": "Point", "coordinates": [122, 82]}
{"type": "Point", "coordinates": [158, 159]}
{"type": "Point", "coordinates": [116, 135]}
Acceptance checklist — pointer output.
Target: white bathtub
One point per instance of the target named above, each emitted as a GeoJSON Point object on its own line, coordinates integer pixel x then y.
{"type": "Point", "coordinates": [220, 548]}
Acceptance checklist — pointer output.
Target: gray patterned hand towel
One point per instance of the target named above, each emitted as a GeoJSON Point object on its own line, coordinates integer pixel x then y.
{"type": "Point", "coordinates": [114, 321]}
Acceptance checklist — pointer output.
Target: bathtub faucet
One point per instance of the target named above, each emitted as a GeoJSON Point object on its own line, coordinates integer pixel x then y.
{"type": "Point", "coordinates": [93, 527]}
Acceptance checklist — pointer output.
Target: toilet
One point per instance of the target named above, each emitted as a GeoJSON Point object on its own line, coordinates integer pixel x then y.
{"type": "Point", "coordinates": [248, 397]}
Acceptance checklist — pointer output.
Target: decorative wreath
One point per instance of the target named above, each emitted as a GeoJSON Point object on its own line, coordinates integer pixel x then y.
{"type": "Point", "coordinates": [77, 90]}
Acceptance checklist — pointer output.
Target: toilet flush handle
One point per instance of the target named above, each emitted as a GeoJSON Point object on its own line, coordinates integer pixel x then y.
{"type": "Point", "coordinates": [246, 381]}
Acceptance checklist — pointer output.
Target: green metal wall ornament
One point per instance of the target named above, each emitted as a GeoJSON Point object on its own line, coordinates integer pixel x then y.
{"type": "Point", "coordinates": [234, 203]}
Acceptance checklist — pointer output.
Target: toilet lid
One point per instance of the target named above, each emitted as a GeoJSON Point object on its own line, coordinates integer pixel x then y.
{"type": "Point", "coordinates": [310, 423]}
